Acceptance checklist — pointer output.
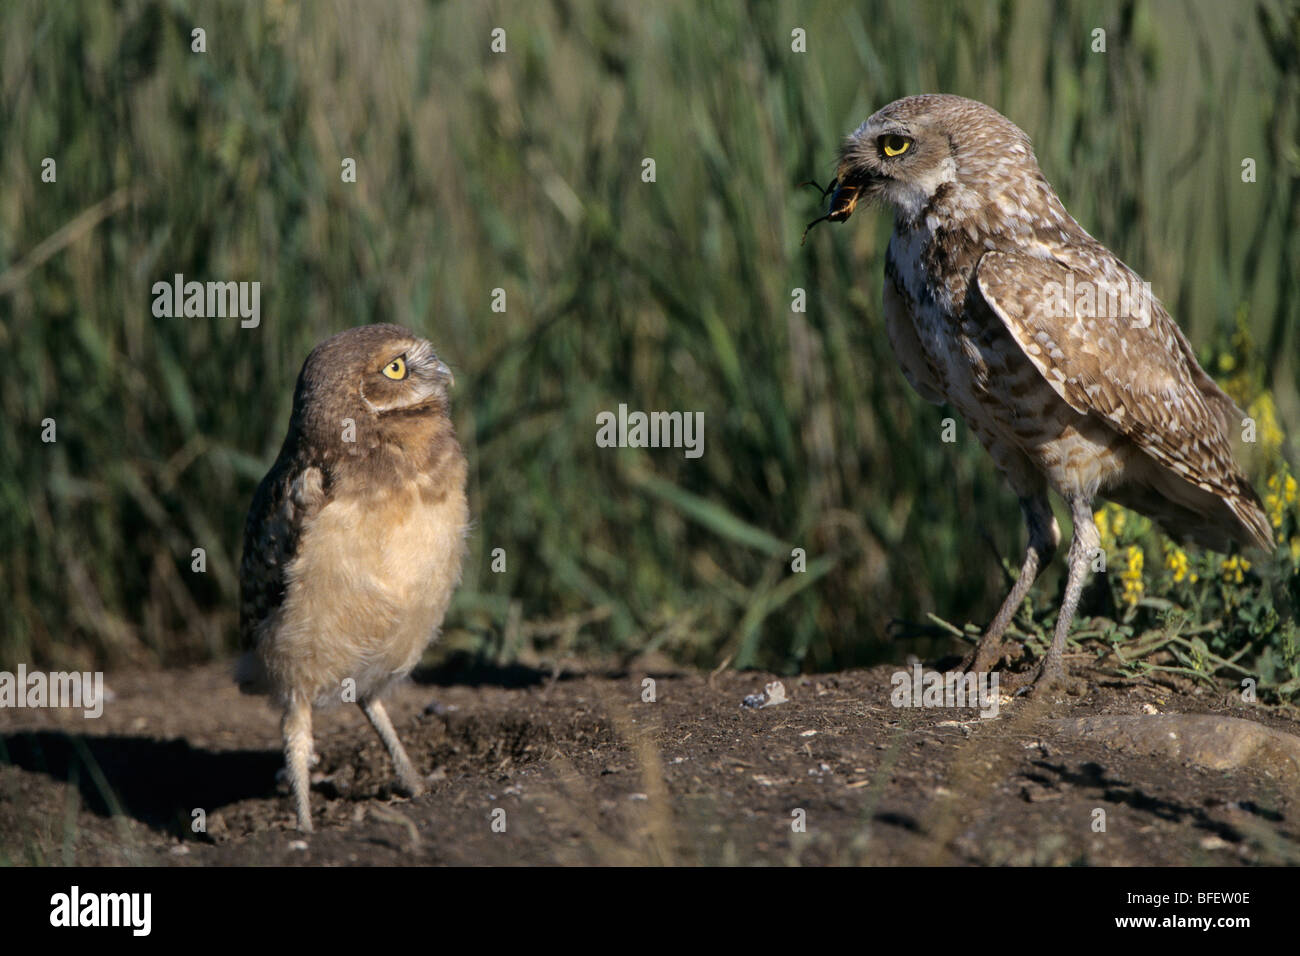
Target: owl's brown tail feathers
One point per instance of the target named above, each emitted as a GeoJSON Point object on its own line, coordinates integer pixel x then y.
{"type": "Point", "coordinates": [1255, 529]}
{"type": "Point", "coordinates": [1190, 514]}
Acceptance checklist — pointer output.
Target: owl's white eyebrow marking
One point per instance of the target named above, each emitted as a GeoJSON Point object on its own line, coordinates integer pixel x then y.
{"type": "Point", "coordinates": [419, 353]}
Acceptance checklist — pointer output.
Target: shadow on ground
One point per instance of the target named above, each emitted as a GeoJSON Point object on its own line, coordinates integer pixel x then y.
{"type": "Point", "coordinates": [536, 766]}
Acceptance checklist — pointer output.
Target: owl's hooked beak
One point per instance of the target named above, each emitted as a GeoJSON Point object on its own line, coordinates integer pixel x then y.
{"type": "Point", "coordinates": [441, 370]}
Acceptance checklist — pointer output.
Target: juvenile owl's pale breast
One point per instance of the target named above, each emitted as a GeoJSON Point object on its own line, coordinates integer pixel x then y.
{"type": "Point", "coordinates": [369, 586]}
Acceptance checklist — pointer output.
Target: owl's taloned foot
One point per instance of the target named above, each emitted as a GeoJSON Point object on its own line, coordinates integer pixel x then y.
{"type": "Point", "coordinates": [989, 655]}
{"type": "Point", "coordinates": [409, 782]}
{"type": "Point", "coordinates": [1051, 679]}
{"type": "Point", "coordinates": [410, 787]}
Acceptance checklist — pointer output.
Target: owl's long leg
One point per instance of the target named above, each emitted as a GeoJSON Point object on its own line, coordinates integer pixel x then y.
{"type": "Point", "coordinates": [1083, 547]}
{"type": "Point", "coordinates": [296, 731]}
{"type": "Point", "coordinates": [1044, 536]}
{"type": "Point", "coordinates": [406, 775]}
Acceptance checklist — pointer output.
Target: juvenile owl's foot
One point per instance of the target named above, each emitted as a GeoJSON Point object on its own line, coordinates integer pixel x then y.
{"type": "Point", "coordinates": [410, 786]}
{"type": "Point", "coordinates": [409, 782]}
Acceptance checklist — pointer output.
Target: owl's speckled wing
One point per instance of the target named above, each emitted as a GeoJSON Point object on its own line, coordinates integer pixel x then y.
{"type": "Point", "coordinates": [1134, 369]}
{"type": "Point", "coordinates": [288, 497]}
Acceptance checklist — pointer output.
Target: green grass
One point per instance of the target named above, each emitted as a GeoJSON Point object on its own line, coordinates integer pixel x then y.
{"type": "Point", "coordinates": [522, 171]}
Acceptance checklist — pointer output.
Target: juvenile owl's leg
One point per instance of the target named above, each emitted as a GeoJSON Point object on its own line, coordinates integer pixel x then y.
{"type": "Point", "coordinates": [1083, 548]}
{"type": "Point", "coordinates": [1044, 536]}
{"type": "Point", "coordinates": [296, 730]}
{"type": "Point", "coordinates": [406, 774]}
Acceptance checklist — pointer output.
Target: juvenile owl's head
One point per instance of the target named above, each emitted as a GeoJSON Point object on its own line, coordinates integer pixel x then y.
{"type": "Point", "coordinates": [921, 150]}
{"type": "Point", "coordinates": [382, 376]}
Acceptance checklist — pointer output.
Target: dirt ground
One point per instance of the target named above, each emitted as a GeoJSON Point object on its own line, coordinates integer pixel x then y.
{"type": "Point", "coordinates": [587, 772]}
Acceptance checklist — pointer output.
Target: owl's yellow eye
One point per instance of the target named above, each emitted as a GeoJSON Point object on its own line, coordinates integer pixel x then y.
{"type": "Point", "coordinates": [396, 369]}
{"type": "Point", "coordinates": [894, 145]}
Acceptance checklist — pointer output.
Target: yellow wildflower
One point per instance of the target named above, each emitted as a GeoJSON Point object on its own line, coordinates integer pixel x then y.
{"type": "Point", "coordinates": [1110, 522]}
{"type": "Point", "coordinates": [1240, 388]}
{"type": "Point", "coordinates": [1234, 569]}
{"type": "Point", "coordinates": [1102, 521]}
{"type": "Point", "coordinates": [1281, 494]}
{"type": "Point", "coordinates": [1116, 520]}
{"type": "Point", "coordinates": [1267, 433]}
{"type": "Point", "coordinates": [1132, 575]}
{"type": "Point", "coordinates": [1176, 561]}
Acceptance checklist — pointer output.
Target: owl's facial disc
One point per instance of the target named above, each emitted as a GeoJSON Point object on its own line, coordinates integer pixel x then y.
{"type": "Point", "coordinates": [411, 378]}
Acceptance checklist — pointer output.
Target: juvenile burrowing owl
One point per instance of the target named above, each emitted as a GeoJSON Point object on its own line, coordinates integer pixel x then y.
{"type": "Point", "coordinates": [354, 541]}
{"type": "Point", "coordinates": [1055, 353]}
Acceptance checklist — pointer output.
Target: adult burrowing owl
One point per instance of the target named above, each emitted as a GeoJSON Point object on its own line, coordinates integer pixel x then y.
{"type": "Point", "coordinates": [1055, 353]}
{"type": "Point", "coordinates": [354, 541]}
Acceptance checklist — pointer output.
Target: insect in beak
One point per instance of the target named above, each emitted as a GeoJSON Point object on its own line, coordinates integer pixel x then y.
{"type": "Point", "coordinates": [843, 200]}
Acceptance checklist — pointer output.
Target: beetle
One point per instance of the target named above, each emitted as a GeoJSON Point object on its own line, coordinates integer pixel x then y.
{"type": "Point", "coordinates": [843, 200]}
